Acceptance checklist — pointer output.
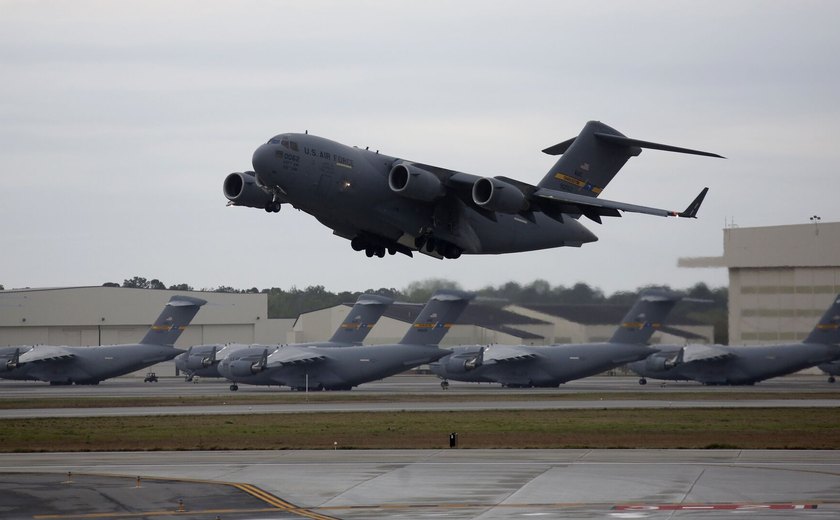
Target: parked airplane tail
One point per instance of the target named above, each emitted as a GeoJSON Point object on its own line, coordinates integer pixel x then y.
{"type": "Point", "coordinates": [645, 317]}
{"type": "Point", "coordinates": [361, 319]}
{"type": "Point", "coordinates": [176, 315]}
{"type": "Point", "coordinates": [591, 160]}
{"type": "Point", "coordinates": [827, 331]}
{"type": "Point", "coordinates": [437, 317]}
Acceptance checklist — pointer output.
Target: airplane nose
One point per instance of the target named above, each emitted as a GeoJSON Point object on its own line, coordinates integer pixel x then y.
{"type": "Point", "coordinates": [262, 160]}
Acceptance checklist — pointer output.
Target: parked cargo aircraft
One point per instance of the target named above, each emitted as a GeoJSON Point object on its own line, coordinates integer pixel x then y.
{"type": "Point", "coordinates": [552, 365]}
{"type": "Point", "coordinates": [388, 204]}
{"type": "Point", "coordinates": [746, 364]}
{"type": "Point", "coordinates": [203, 360]}
{"type": "Point", "coordinates": [60, 365]}
{"type": "Point", "coordinates": [341, 368]}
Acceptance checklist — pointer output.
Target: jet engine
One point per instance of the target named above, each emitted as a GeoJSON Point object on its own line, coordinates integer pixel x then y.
{"type": "Point", "coordinates": [242, 190]}
{"type": "Point", "coordinates": [495, 195]}
{"type": "Point", "coordinates": [415, 183]}
{"type": "Point", "coordinates": [244, 368]}
{"type": "Point", "coordinates": [660, 363]}
{"type": "Point", "coordinates": [465, 362]}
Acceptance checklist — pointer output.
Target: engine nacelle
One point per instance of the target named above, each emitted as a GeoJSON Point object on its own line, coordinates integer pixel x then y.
{"type": "Point", "coordinates": [242, 368]}
{"type": "Point", "coordinates": [415, 183]}
{"type": "Point", "coordinates": [242, 190]}
{"type": "Point", "coordinates": [661, 362]}
{"type": "Point", "coordinates": [463, 363]}
{"type": "Point", "coordinates": [495, 195]}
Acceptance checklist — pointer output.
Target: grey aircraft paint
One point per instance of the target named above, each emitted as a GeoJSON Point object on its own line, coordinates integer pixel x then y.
{"type": "Point", "coordinates": [547, 366]}
{"type": "Point", "coordinates": [746, 364]}
{"type": "Point", "coordinates": [342, 368]}
{"type": "Point", "coordinates": [386, 204]}
{"type": "Point", "coordinates": [90, 365]}
{"type": "Point", "coordinates": [203, 360]}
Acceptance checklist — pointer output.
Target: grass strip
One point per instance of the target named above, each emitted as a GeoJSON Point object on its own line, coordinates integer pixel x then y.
{"type": "Point", "coordinates": [750, 428]}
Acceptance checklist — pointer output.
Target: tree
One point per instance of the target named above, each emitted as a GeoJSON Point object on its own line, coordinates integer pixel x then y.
{"type": "Point", "coordinates": [138, 282]}
{"type": "Point", "coordinates": [421, 291]}
{"type": "Point", "coordinates": [154, 283]}
{"type": "Point", "coordinates": [180, 287]}
{"type": "Point", "coordinates": [110, 284]}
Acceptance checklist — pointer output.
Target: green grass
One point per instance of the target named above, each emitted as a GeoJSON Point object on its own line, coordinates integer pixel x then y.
{"type": "Point", "coordinates": [751, 428]}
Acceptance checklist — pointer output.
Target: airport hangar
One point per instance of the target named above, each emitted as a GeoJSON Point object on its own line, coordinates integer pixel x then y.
{"type": "Point", "coordinates": [113, 315]}
{"type": "Point", "coordinates": [781, 279]}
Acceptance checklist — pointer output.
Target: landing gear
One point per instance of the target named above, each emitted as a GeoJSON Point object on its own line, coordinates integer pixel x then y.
{"type": "Point", "coordinates": [430, 244]}
{"type": "Point", "coordinates": [643, 381]}
{"type": "Point", "coordinates": [234, 387]}
{"type": "Point", "coordinates": [831, 379]}
{"type": "Point", "coordinates": [272, 206]}
{"type": "Point", "coordinates": [444, 385]}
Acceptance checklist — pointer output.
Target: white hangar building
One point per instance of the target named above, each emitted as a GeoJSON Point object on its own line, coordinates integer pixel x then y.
{"type": "Point", "coordinates": [781, 279]}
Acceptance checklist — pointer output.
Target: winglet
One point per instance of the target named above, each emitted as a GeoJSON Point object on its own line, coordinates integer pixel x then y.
{"type": "Point", "coordinates": [691, 210]}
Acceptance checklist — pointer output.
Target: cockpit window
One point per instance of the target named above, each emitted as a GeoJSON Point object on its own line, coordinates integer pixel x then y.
{"type": "Point", "coordinates": [275, 140]}
{"type": "Point", "coordinates": [293, 146]}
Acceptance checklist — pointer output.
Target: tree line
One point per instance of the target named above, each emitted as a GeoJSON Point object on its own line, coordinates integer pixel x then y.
{"type": "Point", "coordinates": [290, 303]}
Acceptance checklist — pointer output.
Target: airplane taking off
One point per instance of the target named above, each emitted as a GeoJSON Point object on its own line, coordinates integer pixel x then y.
{"type": "Point", "coordinates": [203, 360]}
{"type": "Point", "coordinates": [62, 365]}
{"type": "Point", "coordinates": [551, 365]}
{"type": "Point", "coordinates": [317, 367]}
{"type": "Point", "coordinates": [745, 364]}
{"type": "Point", "coordinates": [388, 204]}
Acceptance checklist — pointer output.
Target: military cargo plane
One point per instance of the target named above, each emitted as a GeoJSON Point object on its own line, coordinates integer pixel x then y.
{"type": "Point", "coordinates": [314, 367]}
{"type": "Point", "coordinates": [745, 364]}
{"type": "Point", "coordinates": [64, 365]}
{"type": "Point", "coordinates": [392, 205]}
{"type": "Point", "coordinates": [203, 360]}
{"type": "Point", "coordinates": [552, 365]}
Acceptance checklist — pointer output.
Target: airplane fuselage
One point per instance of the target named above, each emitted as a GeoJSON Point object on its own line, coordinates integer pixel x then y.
{"type": "Point", "coordinates": [746, 365]}
{"type": "Point", "coordinates": [550, 365]}
{"type": "Point", "coordinates": [341, 367]}
{"type": "Point", "coordinates": [90, 365]}
{"type": "Point", "coordinates": [347, 189]}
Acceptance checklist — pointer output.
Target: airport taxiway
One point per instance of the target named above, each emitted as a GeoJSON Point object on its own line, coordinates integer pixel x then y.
{"type": "Point", "coordinates": [484, 484]}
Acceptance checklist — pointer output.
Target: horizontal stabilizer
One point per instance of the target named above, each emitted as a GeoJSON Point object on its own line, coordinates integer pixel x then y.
{"type": "Point", "coordinates": [626, 141]}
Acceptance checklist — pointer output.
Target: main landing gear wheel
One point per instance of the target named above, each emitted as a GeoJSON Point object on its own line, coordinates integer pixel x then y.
{"type": "Point", "coordinates": [234, 387]}
{"type": "Point", "coordinates": [272, 206]}
{"type": "Point", "coordinates": [643, 381]}
{"type": "Point", "coordinates": [831, 379]}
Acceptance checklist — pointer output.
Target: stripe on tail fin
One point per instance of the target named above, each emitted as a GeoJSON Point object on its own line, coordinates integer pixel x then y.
{"type": "Point", "coordinates": [437, 317]}
{"type": "Point", "coordinates": [176, 315]}
{"type": "Point", "coordinates": [361, 319]}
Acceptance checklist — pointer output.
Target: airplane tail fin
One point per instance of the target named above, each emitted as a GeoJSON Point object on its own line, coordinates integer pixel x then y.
{"type": "Point", "coordinates": [437, 317]}
{"type": "Point", "coordinates": [591, 160]}
{"type": "Point", "coordinates": [361, 319]}
{"type": "Point", "coordinates": [176, 315]}
{"type": "Point", "coordinates": [645, 317]}
{"type": "Point", "coordinates": [827, 331]}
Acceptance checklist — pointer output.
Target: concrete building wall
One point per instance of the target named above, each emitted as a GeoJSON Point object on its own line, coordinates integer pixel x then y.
{"type": "Point", "coordinates": [781, 279]}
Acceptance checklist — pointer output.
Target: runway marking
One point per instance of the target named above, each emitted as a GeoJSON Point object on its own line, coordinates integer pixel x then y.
{"type": "Point", "coordinates": [277, 503]}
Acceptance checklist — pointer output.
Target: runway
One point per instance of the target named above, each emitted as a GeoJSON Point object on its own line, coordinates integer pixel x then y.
{"type": "Point", "coordinates": [482, 484]}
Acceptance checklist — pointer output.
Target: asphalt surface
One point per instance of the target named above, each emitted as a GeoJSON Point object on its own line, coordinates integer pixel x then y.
{"type": "Point", "coordinates": [484, 484]}
{"type": "Point", "coordinates": [459, 484]}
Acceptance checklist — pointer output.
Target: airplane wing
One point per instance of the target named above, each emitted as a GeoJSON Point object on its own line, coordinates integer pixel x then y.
{"type": "Point", "coordinates": [507, 354]}
{"type": "Point", "coordinates": [704, 353]}
{"type": "Point", "coordinates": [554, 203]}
{"type": "Point", "coordinates": [286, 356]}
{"type": "Point", "coordinates": [45, 354]}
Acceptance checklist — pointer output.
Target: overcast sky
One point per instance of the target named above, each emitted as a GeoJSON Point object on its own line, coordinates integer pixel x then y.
{"type": "Point", "coordinates": [119, 121]}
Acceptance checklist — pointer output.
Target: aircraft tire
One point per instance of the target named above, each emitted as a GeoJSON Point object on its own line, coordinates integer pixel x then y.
{"type": "Point", "coordinates": [234, 387]}
{"type": "Point", "coordinates": [380, 252]}
{"type": "Point", "coordinates": [369, 252]}
{"type": "Point", "coordinates": [643, 381]}
{"type": "Point", "coordinates": [357, 244]}
{"type": "Point", "coordinates": [831, 379]}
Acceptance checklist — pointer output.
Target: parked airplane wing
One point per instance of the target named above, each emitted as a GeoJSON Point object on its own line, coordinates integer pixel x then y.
{"type": "Point", "coordinates": [700, 353]}
{"type": "Point", "coordinates": [286, 356]}
{"type": "Point", "coordinates": [45, 354]}
{"type": "Point", "coordinates": [506, 354]}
